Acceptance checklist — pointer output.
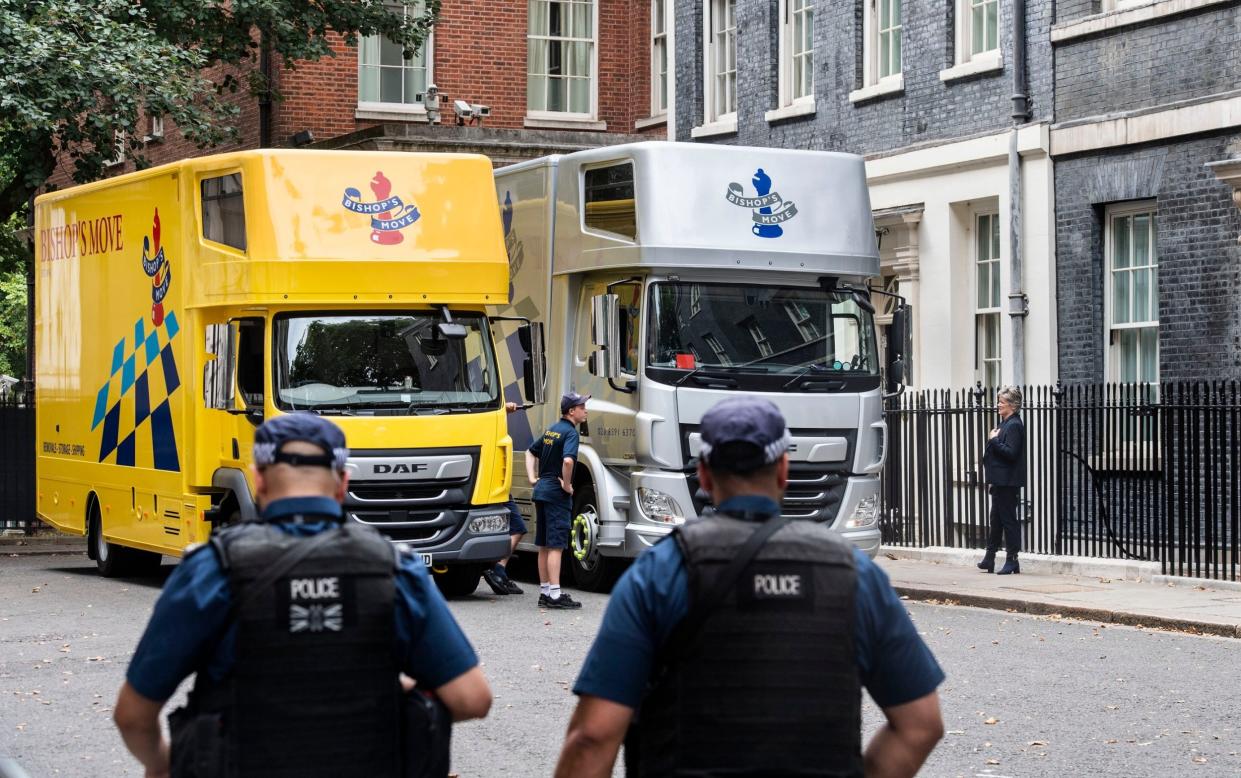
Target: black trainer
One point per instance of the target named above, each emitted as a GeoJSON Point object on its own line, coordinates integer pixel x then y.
{"type": "Point", "coordinates": [511, 586]}
{"type": "Point", "coordinates": [543, 600]}
{"type": "Point", "coordinates": [495, 581]}
{"type": "Point", "coordinates": [563, 601]}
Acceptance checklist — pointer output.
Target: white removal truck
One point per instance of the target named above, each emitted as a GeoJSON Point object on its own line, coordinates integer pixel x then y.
{"type": "Point", "coordinates": [671, 276]}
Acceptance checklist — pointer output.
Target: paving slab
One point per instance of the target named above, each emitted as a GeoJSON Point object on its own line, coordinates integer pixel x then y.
{"type": "Point", "coordinates": [1187, 607]}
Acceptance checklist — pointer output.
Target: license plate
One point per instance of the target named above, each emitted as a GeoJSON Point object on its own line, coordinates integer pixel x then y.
{"type": "Point", "coordinates": [426, 559]}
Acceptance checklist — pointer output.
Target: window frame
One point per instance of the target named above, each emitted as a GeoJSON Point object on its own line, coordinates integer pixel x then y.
{"type": "Point", "coordinates": [710, 47]}
{"type": "Point", "coordinates": [870, 45]}
{"type": "Point", "coordinates": [546, 115]}
{"type": "Point", "coordinates": [965, 33]}
{"type": "Point", "coordinates": [1111, 351]}
{"type": "Point", "coordinates": [985, 317]}
{"type": "Point", "coordinates": [660, 38]}
{"type": "Point", "coordinates": [427, 52]}
{"type": "Point", "coordinates": [788, 56]}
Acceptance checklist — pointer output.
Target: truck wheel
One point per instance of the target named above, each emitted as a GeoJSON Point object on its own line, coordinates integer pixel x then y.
{"type": "Point", "coordinates": [592, 571]}
{"type": "Point", "coordinates": [116, 561]}
{"type": "Point", "coordinates": [459, 580]}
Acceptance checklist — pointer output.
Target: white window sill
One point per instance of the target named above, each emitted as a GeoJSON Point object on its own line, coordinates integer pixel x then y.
{"type": "Point", "coordinates": [1124, 17]}
{"type": "Point", "coordinates": [802, 108]}
{"type": "Point", "coordinates": [989, 62]}
{"type": "Point", "coordinates": [395, 113]}
{"type": "Point", "coordinates": [541, 123]}
{"type": "Point", "coordinates": [650, 121]}
{"type": "Point", "coordinates": [710, 129]}
{"type": "Point", "coordinates": [891, 85]}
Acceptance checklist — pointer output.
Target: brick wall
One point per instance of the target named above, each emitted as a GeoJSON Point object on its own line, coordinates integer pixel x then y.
{"type": "Point", "coordinates": [928, 110]}
{"type": "Point", "coordinates": [1142, 66]}
{"type": "Point", "coordinates": [479, 53]}
{"type": "Point", "coordinates": [1196, 232]}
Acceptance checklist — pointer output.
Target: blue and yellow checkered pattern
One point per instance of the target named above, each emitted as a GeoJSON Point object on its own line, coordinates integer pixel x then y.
{"type": "Point", "coordinates": [142, 394]}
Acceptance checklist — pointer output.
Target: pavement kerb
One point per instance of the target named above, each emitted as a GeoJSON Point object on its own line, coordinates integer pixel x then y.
{"type": "Point", "coordinates": [1084, 567]}
{"type": "Point", "coordinates": [43, 544]}
{"type": "Point", "coordinates": [1101, 615]}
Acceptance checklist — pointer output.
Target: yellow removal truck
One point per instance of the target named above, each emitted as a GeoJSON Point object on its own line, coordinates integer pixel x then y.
{"type": "Point", "coordinates": [178, 307]}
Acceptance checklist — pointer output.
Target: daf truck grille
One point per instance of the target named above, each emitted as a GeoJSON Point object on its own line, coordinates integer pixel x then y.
{"type": "Point", "coordinates": [814, 493]}
{"type": "Point", "coordinates": [425, 508]}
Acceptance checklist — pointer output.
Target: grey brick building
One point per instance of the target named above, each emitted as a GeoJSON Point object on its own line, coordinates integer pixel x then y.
{"type": "Point", "coordinates": [1146, 95]}
{"type": "Point", "coordinates": [924, 90]}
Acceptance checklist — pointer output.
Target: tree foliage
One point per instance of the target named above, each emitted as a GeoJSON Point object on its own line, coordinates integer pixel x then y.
{"type": "Point", "coordinates": [76, 75]}
{"type": "Point", "coordinates": [13, 323]}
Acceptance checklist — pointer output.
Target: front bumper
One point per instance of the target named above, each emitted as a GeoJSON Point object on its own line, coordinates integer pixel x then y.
{"type": "Point", "coordinates": [462, 546]}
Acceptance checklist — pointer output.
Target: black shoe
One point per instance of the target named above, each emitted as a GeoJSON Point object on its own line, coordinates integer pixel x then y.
{"type": "Point", "coordinates": [495, 581]}
{"type": "Point", "coordinates": [564, 601]}
{"type": "Point", "coordinates": [510, 586]}
{"type": "Point", "coordinates": [1010, 567]}
{"type": "Point", "coordinates": [543, 600]}
{"type": "Point", "coordinates": [987, 565]}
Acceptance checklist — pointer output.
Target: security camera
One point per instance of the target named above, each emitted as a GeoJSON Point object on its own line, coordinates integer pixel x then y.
{"type": "Point", "coordinates": [481, 110]}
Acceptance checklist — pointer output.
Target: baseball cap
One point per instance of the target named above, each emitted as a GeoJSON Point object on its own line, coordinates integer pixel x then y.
{"type": "Point", "coordinates": [309, 427]}
{"type": "Point", "coordinates": [570, 400]}
{"type": "Point", "coordinates": [742, 434]}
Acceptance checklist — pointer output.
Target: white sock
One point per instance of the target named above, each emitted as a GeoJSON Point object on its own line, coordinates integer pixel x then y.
{"type": "Point", "coordinates": [553, 592]}
{"type": "Point", "coordinates": [545, 588]}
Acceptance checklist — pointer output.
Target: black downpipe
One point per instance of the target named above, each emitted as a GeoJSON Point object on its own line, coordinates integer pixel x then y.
{"type": "Point", "coordinates": [29, 383]}
{"type": "Point", "coordinates": [1021, 104]}
{"type": "Point", "coordinates": [265, 98]}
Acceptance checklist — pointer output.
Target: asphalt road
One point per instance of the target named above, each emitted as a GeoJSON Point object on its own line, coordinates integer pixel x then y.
{"type": "Point", "coordinates": [1025, 696]}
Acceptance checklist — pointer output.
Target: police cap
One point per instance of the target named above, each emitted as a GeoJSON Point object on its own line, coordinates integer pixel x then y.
{"type": "Point", "coordinates": [742, 434]}
{"type": "Point", "coordinates": [308, 427]}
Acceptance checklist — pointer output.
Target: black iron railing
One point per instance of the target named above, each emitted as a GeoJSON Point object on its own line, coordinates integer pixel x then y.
{"type": "Point", "coordinates": [17, 454]}
{"type": "Point", "coordinates": [1148, 472]}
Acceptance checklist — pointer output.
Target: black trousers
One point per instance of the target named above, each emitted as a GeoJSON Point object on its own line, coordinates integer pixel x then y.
{"type": "Point", "coordinates": [1004, 520]}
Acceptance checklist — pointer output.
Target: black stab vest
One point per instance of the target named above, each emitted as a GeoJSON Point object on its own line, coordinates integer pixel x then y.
{"type": "Point", "coordinates": [314, 691]}
{"type": "Point", "coordinates": [769, 686]}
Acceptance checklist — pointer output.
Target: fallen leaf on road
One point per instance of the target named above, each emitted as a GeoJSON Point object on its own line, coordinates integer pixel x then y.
{"type": "Point", "coordinates": [1111, 740]}
{"type": "Point", "coordinates": [1200, 760]}
{"type": "Point", "coordinates": [92, 659]}
{"type": "Point", "coordinates": [992, 720]}
{"type": "Point", "coordinates": [34, 590]}
{"type": "Point", "coordinates": [993, 761]}
{"type": "Point", "coordinates": [1037, 743]}
{"type": "Point", "coordinates": [955, 732]}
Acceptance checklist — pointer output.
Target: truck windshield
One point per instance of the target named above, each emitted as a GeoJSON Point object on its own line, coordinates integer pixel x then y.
{"type": "Point", "coordinates": [748, 329]}
{"type": "Point", "coordinates": [391, 364]}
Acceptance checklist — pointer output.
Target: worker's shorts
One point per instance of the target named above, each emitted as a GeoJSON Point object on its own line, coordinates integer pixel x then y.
{"type": "Point", "coordinates": [553, 523]}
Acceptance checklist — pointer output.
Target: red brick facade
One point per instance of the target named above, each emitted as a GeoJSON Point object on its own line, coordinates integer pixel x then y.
{"type": "Point", "coordinates": [478, 55]}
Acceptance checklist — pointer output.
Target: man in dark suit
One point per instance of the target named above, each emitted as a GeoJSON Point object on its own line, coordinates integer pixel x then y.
{"type": "Point", "coordinates": [1005, 463]}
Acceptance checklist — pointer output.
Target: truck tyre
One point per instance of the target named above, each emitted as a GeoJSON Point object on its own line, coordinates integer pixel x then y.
{"type": "Point", "coordinates": [116, 561]}
{"type": "Point", "coordinates": [592, 571]}
{"type": "Point", "coordinates": [459, 580]}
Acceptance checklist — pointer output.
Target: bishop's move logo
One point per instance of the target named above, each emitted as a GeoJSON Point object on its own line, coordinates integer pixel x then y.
{"type": "Point", "coordinates": [389, 215]}
{"type": "Point", "coordinates": [769, 209]}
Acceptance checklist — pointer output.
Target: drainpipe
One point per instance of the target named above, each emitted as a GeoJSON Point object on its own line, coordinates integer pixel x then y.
{"type": "Point", "coordinates": [29, 386]}
{"type": "Point", "coordinates": [1017, 301]}
{"type": "Point", "coordinates": [265, 98]}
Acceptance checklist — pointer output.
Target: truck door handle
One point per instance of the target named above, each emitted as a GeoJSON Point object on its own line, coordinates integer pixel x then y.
{"type": "Point", "coordinates": [715, 382]}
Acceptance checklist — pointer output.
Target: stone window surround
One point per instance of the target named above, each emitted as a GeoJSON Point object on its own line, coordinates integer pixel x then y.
{"type": "Point", "coordinates": [1110, 350]}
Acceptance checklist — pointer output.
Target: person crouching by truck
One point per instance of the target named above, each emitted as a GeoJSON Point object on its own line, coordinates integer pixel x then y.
{"type": "Point", "coordinates": [299, 627]}
{"type": "Point", "coordinates": [549, 466]}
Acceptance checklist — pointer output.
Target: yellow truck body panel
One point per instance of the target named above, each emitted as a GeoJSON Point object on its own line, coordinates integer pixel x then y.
{"type": "Point", "coordinates": [134, 272]}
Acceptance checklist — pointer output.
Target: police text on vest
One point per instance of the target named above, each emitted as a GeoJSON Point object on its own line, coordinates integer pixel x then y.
{"type": "Point", "coordinates": [314, 588]}
{"type": "Point", "coordinates": [777, 585]}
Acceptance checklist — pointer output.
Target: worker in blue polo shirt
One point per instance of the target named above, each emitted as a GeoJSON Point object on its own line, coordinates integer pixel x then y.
{"type": "Point", "coordinates": [303, 630]}
{"type": "Point", "coordinates": [740, 645]}
{"type": "Point", "coordinates": [549, 466]}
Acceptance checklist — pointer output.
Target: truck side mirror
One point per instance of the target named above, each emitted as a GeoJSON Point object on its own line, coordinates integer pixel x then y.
{"type": "Point", "coordinates": [605, 333]}
{"type": "Point", "coordinates": [534, 366]}
{"type": "Point", "coordinates": [900, 347]}
{"type": "Point", "coordinates": [221, 341]}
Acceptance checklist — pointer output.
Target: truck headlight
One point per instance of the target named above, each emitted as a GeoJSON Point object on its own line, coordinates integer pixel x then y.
{"type": "Point", "coordinates": [865, 514]}
{"type": "Point", "coordinates": [486, 525]}
{"type": "Point", "coordinates": [658, 506]}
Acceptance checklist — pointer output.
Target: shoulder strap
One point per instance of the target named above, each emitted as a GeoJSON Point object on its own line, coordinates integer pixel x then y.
{"type": "Point", "coordinates": [685, 632]}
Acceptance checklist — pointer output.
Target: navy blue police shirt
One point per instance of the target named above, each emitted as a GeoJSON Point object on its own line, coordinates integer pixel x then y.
{"type": "Point", "coordinates": [558, 442]}
{"type": "Point", "coordinates": [652, 597]}
{"type": "Point", "coordinates": [190, 630]}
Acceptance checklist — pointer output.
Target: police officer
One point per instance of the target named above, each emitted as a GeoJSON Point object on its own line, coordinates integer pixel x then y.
{"type": "Point", "coordinates": [299, 627]}
{"type": "Point", "coordinates": [796, 632]}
